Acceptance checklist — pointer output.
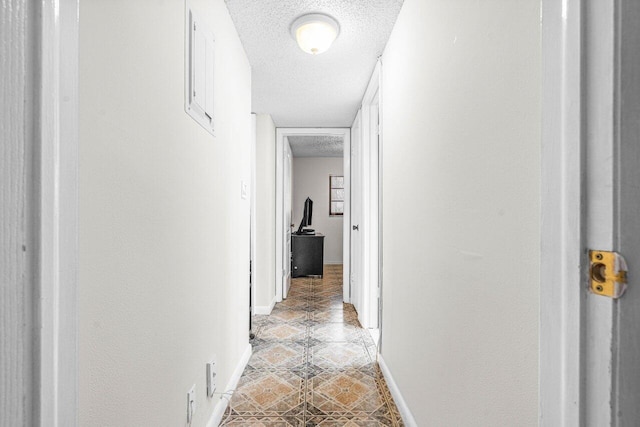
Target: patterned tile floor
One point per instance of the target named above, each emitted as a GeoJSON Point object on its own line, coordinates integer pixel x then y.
{"type": "Point", "coordinates": [312, 365]}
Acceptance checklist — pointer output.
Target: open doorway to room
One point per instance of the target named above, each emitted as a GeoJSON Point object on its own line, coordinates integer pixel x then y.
{"type": "Point", "coordinates": [308, 166]}
{"type": "Point", "coordinates": [310, 163]}
{"type": "Point", "coordinates": [317, 203]}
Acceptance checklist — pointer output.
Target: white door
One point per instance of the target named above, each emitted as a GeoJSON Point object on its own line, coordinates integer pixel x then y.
{"type": "Point", "coordinates": [286, 267]}
{"type": "Point", "coordinates": [365, 249]}
{"type": "Point", "coordinates": [372, 223]}
{"type": "Point", "coordinates": [356, 216]}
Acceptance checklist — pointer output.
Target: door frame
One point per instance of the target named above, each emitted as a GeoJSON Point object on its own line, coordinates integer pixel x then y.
{"type": "Point", "coordinates": [253, 218]}
{"type": "Point", "coordinates": [281, 134]}
{"type": "Point", "coordinates": [355, 270]}
{"type": "Point", "coordinates": [59, 214]}
{"type": "Point", "coordinates": [371, 203]}
{"type": "Point", "coordinates": [580, 210]}
{"type": "Point", "coordinates": [53, 212]}
{"type": "Point", "coordinates": [561, 215]}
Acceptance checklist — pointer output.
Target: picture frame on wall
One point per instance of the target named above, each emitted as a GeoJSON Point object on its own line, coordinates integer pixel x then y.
{"type": "Point", "coordinates": [336, 195]}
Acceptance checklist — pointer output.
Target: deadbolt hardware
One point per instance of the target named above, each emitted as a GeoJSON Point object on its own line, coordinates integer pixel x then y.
{"type": "Point", "coordinates": [607, 273]}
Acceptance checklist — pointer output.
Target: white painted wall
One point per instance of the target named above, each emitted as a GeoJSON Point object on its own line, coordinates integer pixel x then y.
{"type": "Point", "coordinates": [164, 233]}
{"type": "Point", "coordinates": [311, 179]}
{"type": "Point", "coordinates": [461, 160]}
{"type": "Point", "coordinates": [265, 286]}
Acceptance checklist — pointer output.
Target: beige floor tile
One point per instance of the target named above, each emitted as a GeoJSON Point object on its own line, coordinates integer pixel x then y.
{"type": "Point", "coordinates": [312, 365]}
{"type": "Point", "coordinates": [272, 355]}
{"type": "Point", "coordinates": [339, 355]}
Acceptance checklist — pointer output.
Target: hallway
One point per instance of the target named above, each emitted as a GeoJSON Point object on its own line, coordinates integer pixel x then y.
{"type": "Point", "coordinates": [312, 364]}
{"type": "Point", "coordinates": [145, 218]}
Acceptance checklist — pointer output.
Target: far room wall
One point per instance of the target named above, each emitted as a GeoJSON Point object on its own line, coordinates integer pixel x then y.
{"type": "Point", "coordinates": [311, 179]}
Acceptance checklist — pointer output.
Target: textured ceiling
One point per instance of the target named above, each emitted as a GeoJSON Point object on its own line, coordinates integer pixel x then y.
{"type": "Point", "coordinates": [302, 90]}
{"type": "Point", "coordinates": [316, 146]}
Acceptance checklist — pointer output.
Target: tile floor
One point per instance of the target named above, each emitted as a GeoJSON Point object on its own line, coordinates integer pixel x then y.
{"type": "Point", "coordinates": [312, 365]}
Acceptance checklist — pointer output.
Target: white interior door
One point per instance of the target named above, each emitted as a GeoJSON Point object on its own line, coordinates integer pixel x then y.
{"type": "Point", "coordinates": [253, 222]}
{"type": "Point", "coordinates": [365, 205]}
{"type": "Point", "coordinates": [372, 223]}
{"type": "Point", "coordinates": [286, 264]}
{"type": "Point", "coordinates": [356, 216]}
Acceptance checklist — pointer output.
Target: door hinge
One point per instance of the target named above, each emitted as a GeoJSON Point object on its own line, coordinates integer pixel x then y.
{"type": "Point", "coordinates": [607, 273]}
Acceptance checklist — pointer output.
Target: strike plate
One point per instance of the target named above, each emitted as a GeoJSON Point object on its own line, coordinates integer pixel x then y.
{"type": "Point", "coordinates": [607, 274]}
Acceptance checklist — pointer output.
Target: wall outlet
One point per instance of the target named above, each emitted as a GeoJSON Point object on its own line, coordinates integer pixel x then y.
{"type": "Point", "coordinates": [212, 373]}
{"type": "Point", "coordinates": [191, 403]}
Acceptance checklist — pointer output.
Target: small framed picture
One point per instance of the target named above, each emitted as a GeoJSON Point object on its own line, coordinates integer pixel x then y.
{"type": "Point", "coordinates": [336, 195]}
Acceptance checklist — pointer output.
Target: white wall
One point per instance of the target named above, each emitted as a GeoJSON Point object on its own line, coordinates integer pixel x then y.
{"type": "Point", "coordinates": [265, 263]}
{"type": "Point", "coordinates": [461, 137]}
{"type": "Point", "coordinates": [164, 233]}
{"type": "Point", "coordinates": [311, 179]}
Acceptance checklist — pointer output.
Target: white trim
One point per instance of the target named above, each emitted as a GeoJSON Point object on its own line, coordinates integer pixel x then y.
{"type": "Point", "coordinates": [346, 220]}
{"type": "Point", "coordinates": [379, 66]}
{"type": "Point", "coordinates": [279, 272]}
{"type": "Point", "coordinates": [281, 134]}
{"type": "Point", "coordinates": [405, 412]}
{"type": "Point", "coordinates": [265, 309]}
{"type": "Point", "coordinates": [600, 216]}
{"type": "Point", "coordinates": [355, 215]}
{"type": "Point", "coordinates": [221, 406]}
{"type": "Point", "coordinates": [374, 84]}
{"type": "Point", "coordinates": [253, 213]}
{"type": "Point", "coordinates": [561, 228]}
{"type": "Point", "coordinates": [369, 224]}
{"type": "Point", "coordinates": [58, 221]}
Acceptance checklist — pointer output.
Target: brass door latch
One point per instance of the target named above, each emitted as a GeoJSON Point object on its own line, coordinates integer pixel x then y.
{"type": "Point", "coordinates": [607, 274]}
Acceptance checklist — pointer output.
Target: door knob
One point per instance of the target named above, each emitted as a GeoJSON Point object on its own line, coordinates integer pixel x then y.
{"type": "Point", "coordinates": [356, 227]}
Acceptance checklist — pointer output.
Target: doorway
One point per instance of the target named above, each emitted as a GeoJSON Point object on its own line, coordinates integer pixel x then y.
{"type": "Point", "coordinates": [284, 220]}
{"type": "Point", "coordinates": [366, 216]}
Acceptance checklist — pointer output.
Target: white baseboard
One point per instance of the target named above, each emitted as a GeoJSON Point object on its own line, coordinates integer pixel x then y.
{"type": "Point", "coordinates": [406, 414]}
{"type": "Point", "coordinates": [265, 309]}
{"type": "Point", "coordinates": [218, 411]}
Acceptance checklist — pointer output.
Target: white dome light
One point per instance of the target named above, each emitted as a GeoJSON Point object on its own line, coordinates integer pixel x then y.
{"type": "Point", "coordinates": [315, 32]}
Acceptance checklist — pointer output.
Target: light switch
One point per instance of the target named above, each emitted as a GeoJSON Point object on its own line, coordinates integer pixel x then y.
{"type": "Point", "coordinates": [212, 384]}
{"type": "Point", "coordinates": [243, 189]}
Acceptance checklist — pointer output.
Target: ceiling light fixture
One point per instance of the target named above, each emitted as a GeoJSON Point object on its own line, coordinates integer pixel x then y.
{"type": "Point", "coordinates": [315, 32]}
